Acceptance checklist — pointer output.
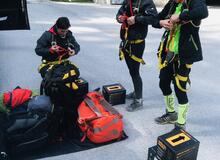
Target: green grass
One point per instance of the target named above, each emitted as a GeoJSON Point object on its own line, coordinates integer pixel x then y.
{"type": "Point", "coordinates": [82, 1]}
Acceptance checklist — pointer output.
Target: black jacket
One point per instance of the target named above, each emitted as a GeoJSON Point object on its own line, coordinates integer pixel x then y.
{"type": "Point", "coordinates": [146, 15]}
{"type": "Point", "coordinates": [189, 43]}
{"type": "Point", "coordinates": [44, 44]}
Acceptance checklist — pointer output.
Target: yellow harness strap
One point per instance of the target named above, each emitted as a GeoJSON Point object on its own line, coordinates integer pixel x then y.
{"type": "Point", "coordinates": [188, 66]}
{"type": "Point", "coordinates": [179, 78]}
{"type": "Point", "coordinates": [45, 63]}
{"type": "Point", "coordinates": [160, 64]}
{"type": "Point", "coordinates": [136, 41]}
{"type": "Point", "coordinates": [135, 58]}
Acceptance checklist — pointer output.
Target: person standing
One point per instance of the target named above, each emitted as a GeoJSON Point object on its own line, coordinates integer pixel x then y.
{"type": "Point", "coordinates": [135, 16]}
{"type": "Point", "coordinates": [180, 47]}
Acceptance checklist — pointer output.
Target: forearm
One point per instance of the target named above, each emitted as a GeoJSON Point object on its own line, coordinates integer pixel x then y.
{"type": "Point", "coordinates": [44, 52]}
{"type": "Point", "coordinates": [199, 11]}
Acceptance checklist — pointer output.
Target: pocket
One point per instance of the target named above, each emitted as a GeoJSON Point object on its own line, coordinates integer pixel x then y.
{"type": "Point", "coordinates": [191, 39]}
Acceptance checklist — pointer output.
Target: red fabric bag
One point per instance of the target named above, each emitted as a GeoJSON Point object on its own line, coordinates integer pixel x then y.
{"type": "Point", "coordinates": [17, 97]}
{"type": "Point", "coordinates": [99, 121]}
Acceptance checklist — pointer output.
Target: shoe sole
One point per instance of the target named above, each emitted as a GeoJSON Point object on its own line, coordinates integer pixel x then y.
{"type": "Point", "coordinates": [162, 123]}
{"type": "Point", "coordinates": [136, 109]}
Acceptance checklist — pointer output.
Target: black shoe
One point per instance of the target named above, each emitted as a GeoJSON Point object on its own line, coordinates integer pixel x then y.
{"type": "Point", "coordinates": [179, 126]}
{"type": "Point", "coordinates": [135, 105]}
{"type": "Point", "coordinates": [169, 117]}
{"type": "Point", "coordinates": [130, 95]}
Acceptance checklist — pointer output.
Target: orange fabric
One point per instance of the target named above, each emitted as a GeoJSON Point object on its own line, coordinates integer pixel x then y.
{"type": "Point", "coordinates": [99, 128]}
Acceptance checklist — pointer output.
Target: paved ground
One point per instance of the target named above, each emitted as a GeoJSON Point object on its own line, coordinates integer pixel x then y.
{"type": "Point", "coordinates": [98, 33]}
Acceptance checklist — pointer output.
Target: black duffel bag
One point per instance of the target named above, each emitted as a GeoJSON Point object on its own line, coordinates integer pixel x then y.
{"type": "Point", "coordinates": [33, 127]}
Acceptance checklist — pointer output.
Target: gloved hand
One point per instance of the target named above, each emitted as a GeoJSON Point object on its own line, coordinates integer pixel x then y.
{"type": "Point", "coordinates": [54, 49]}
{"type": "Point", "coordinates": [131, 20]}
{"type": "Point", "coordinates": [122, 18]}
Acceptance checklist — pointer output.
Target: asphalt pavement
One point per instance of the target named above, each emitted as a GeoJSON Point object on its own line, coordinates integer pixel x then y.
{"type": "Point", "coordinates": [97, 31]}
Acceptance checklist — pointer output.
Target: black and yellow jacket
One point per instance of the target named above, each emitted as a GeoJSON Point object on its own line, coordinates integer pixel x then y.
{"type": "Point", "coordinates": [189, 43]}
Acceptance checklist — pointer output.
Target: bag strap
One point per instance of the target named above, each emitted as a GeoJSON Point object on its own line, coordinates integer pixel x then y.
{"type": "Point", "coordinates": [108, 107]}
{"type": "Point", "coordinates": [92, 106]}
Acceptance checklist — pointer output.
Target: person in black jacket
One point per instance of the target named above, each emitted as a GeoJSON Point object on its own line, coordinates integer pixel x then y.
{"type": "Point", "coordinates": [180, 47]}
{"type": "Point", "coordinates": [56, 45]}
{"type": "Point", "coordinates": [135, 16]}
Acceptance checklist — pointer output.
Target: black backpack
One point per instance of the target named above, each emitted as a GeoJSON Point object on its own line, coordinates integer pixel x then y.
{"type": "Point", "coordinates": [59, 81]}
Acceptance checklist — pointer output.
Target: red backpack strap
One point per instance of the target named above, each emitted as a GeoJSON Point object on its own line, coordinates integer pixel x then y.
{"type": "Point", "coordinates": [92, 106]}
{"type": "Point", "coordinates": [108, 107]}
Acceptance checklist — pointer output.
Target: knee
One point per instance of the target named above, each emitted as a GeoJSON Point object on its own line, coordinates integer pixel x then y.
{"type": "Point", "coordinates": [165, 87]}
{"type": "Point", "coordinates": [134, 74]}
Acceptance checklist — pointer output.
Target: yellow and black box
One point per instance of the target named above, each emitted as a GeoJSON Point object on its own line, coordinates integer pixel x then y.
{"type": "Point", "coordinates": [114, 93]}
{"type": "Point", "coordinates": [177, 145]}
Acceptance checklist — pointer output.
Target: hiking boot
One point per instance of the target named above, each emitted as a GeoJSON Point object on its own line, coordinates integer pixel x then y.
{"type": "Point", "coordinates": [130, 95]}
{"type": "Point", "coordinates": [167, 118]}
{"type": "Point", "coordinates": [135, 105]}
{"type": "Point", "coordinates": [179, 126]}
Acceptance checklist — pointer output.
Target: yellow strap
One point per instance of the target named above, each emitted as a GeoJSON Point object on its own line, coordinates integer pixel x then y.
{"type": "Point", "coordinates": [160, 65]}
{"type": "Point", "coordinates": [188, 66]}
{"type": "Point", "coordinates": [136, 41]}
{"type": "Point", "coordinates": [182, 78]}
{"type": "Point", "coordinates": [135, 58]}
{"type": "Point", "coordinates": [45, 63]}
{"type": "Point", "coordinates": [179, 78]}
{"type": "Point", "coordinates": [126, 33]}
{"type": "Point", "coordinates": [121, 55]}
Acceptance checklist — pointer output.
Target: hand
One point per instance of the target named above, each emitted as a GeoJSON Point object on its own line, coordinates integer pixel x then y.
{"type": "Point", "coordinates": [166, 24]}
{"type": "Point", "coordinates": [131, 20]}
{"type": "Point", "coordinates": [122, 18]}
{"type": "Point", "coordinates": [54, 49]}
{"type": "Point", "coordinates": [174, 18]}
{"type": "Point", "coordinates": [71, 52]}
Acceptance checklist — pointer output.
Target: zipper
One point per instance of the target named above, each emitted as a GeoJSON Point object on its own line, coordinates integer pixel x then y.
{"type": "Point", "coordinates": [193, 41]}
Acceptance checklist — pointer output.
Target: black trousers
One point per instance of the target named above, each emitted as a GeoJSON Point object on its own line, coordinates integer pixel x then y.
{"type": "Point", "coordinates": [134, 66]}
{"type": "Point", "coordinates": [167, 76]}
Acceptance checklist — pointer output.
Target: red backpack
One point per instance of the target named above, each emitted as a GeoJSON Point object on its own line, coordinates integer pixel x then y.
{"type": "Point", "coordinates": [99, 121]}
